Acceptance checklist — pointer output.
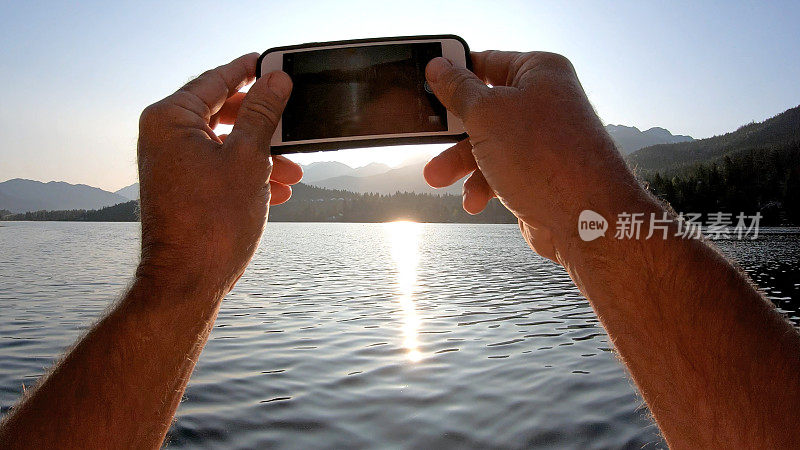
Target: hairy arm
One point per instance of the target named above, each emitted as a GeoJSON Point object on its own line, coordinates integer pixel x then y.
{"type": "Point", "coordinates": [716, 363]}
{"type": "Point", "coordinates": [121, 384]}
{"type": "Point", "coordinates": [204, 202]}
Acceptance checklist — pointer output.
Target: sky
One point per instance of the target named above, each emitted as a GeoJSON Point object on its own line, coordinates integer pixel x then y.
{"type": "Point", "coordinates": [76, 76]}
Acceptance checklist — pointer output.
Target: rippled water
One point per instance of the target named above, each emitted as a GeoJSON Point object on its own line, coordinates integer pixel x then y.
{"type": "Point", "coordinates": [365, 335]}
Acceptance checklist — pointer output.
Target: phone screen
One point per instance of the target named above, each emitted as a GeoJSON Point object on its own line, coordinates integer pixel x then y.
{"type": "Point", "coordinates": [361, 91]}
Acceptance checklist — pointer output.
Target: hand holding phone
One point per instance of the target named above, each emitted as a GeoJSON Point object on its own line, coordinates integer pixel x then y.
{"type": "Point", "coordinates": [362, 93]}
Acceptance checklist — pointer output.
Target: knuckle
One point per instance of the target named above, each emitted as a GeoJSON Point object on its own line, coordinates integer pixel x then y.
{"type": "Point", "coordinates": [200, 79]}
{"type": "Point", "coordinates": [193, 83]}
{"type": "Point", "coordinates": [555, 61]}
{"type": "Point", "coordinates": [263, 110]}
{"type": "Point", "coordinates": [456, 82]}
{"type": "Point", "coordinates": [518, 63]}
{"type": "Point", "coordinates": [212, 76]}
{"type": "Point", "coordinates": [190, 101]}
{"type": "Point", "coordinates": [483, 109]}
{"type": "Point", "coordinates": [216, 76]}
{"type": "Point", "coordinates": [180, 108]}
{"type": "Point", "coordinates": [151, 115]}
{"type": "Point", "coordinates": [208, 73]}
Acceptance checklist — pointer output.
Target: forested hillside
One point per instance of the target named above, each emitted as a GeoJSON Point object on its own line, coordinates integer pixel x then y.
{"type": "Point", "coordinates": [754, 169]}
{"type": "Point", "coordinates": [313, 204]}
{"type": "Point", "coordinates": [772, 133]}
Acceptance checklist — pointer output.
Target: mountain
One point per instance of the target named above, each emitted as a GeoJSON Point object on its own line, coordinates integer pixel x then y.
{"type": "Point", "coordinates": [379, 178]}
{"type": "Point", "coordinates": [313, 204]}
{"type": "Point", "coordinates": [780, 130]}
{"type": "Point", "coordinates": [130, 192]}
{"type": "Point", "coordinates": [370, 170]}
{"type": "Point", "coordinates": [325, 169]}
{"type": "Point", "coordinates": [19, 195]}
{"type": "Point", "coordinates": [753, 170]}
{"type": "Point", "coordinates": [374, 177]}
{"type": "Point", "coordinates": [330, 169]}
{"type": "Point", "coordinates": [402, 179]}
{"type": "Point", "coordinates": [630, 139]}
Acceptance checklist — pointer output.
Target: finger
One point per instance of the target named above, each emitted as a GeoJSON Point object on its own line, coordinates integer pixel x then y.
{"type": "Point", "coordinates": [285, 171]}
{"type": "Point", "coordinates": [213, 87]}
{"type": "Point", "coordinates": [456, 87]}
{"type": "Point", "coordinates": [520, 70]}
{"type": "Point", "coordinates": [495, 66]}
{"type": "Point", "coordinates": [228, 111]}
{"type": "Point", "coordinates": [450, 166]}
{"type": "Point", "coordinates": [222, 137]}
{"type": "Point", "coordinates": [279, 193]}
{"type": "Point", "coordinates": [477, 193]}
{"type": "Point", "coordinates": [259, 115]}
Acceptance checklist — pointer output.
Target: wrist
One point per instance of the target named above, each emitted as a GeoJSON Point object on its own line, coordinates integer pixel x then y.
{"type": "Point", "coordinates": [207, 267]}
{"type": "Point", "coordinates": [578, 236]}
{"type": "Point", "coordinates": [175, 282]}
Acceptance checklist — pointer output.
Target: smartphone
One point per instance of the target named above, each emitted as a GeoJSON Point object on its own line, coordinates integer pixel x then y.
{"type": "Point", "coordinates": [363, 93]}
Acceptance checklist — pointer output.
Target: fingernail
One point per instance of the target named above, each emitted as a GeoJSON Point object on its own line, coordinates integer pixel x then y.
{"type": "Point", "coordinates": [436, 68]}
{"type": "Point", "coordinates": [280, 84]}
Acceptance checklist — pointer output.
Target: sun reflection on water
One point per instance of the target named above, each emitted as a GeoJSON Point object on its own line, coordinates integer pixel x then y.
{"type": "Point", "coordinates": [405, 245]}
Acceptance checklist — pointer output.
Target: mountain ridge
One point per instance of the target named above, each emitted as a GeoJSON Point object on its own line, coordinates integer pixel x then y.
{"type": "Point", "coordinates": [322, 170]}
{"type": "Point", "coordinates": [402, 179]}
{"type": "Point", "coordinates": [630, 139]}
{"type": "Point", "coordinates": [20, 195]}
{"type": "Point", "coordinates": [779, 130]}
{"type": "Point", "coordinates": [131, 192]}
{"type": "Point", "coordinates": [313, 204]}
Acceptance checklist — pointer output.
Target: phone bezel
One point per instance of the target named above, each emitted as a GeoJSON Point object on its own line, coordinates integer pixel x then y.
{"type": "Point", "coordinates": [454, 48]}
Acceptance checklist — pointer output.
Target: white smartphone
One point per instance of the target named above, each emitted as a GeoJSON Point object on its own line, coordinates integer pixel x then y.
{"type": "Point", "coordinates": [363, 93]}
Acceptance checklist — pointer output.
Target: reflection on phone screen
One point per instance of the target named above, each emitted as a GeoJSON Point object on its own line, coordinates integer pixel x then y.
{"type": "Point", "coordinates": [361, 91]}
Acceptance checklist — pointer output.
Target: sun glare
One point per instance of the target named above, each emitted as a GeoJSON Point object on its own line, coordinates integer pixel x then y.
{"type": "Point", "coordinates": [404, 237]}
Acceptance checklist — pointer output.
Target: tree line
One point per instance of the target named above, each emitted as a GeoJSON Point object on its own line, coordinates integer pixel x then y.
{"type": "Point", "coordinates": [312, 204]}
{"type": "Point", "coordinates": [122, 212]}
{"type": "Point", "coordinates": [386, 208]}
{"type": "Point", "coordinates": [764, 179]}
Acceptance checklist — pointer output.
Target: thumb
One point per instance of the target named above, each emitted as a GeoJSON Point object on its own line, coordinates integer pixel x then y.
{"type": "Point", "coordinates": [456, 87]}
{"type": "Point", "coordinates": [260, 113]}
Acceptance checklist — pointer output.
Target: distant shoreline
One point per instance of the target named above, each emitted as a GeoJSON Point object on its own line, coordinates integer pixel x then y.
{"type": "Point", "coordinates": [311, 204]}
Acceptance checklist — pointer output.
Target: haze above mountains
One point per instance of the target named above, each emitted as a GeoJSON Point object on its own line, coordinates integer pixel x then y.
{"type": "Point", "coordinates": [652, 149]}
{"type": "Point", "coordinates": [20, 195]}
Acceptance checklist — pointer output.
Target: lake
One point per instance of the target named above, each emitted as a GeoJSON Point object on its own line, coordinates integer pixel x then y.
{"type": "Point", "coordinates": [366, 335]}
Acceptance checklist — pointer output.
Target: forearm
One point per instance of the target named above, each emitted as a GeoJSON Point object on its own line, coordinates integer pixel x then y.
{"type": "Point", "coordinates": [121, 384]}
{"type": "Point", "coordinates": [716, 363]}
{"type": "Point", "coordinates": [204, 203]}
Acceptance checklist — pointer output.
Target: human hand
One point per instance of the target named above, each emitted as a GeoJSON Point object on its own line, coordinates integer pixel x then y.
{"type": "Point", "coordinates": [205, 198]}
{"type": "Point", "coordinates": [535, 143]}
